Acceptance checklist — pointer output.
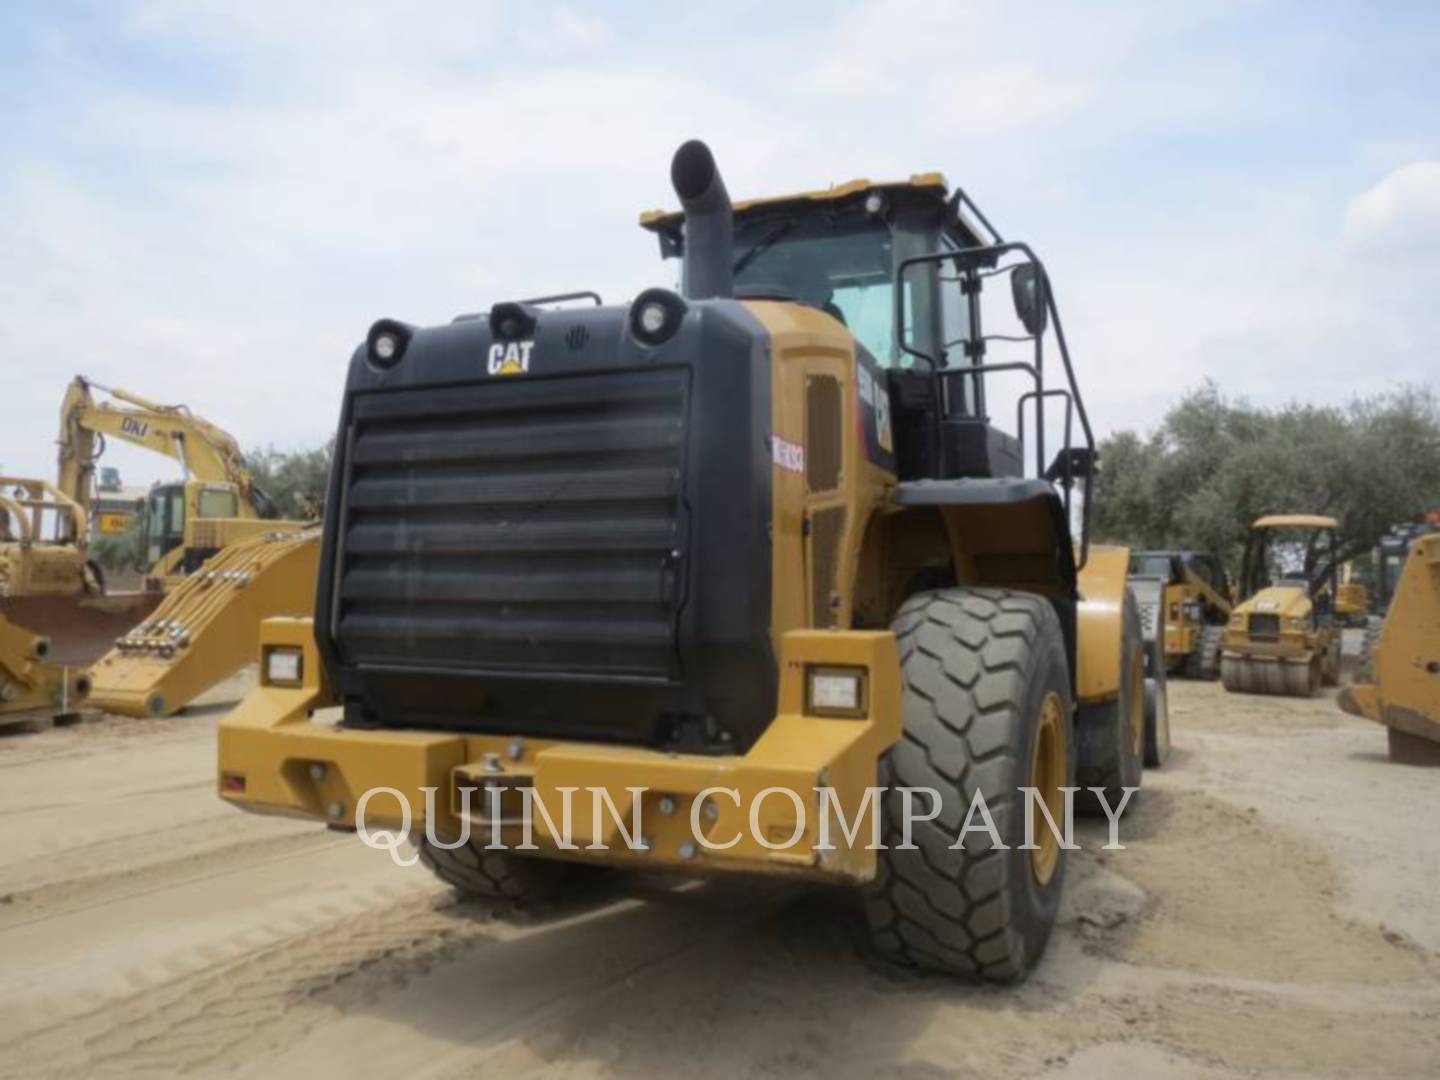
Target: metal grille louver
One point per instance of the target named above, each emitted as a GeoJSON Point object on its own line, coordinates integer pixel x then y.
{"type": "Point", "coordinates": [526, 525]}
{"type": "Point", "coordinates": [826, 529]}
{"type": "Point", "coordinates": [1264, 626]}
{"type": "Point", "coordinates": [823, 442]}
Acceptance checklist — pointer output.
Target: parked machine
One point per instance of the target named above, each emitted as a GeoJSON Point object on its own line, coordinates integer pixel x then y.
{"type": "Point", "coordinates": [186, 522]}
{"type": "Point", "coordinates": [1284, 638]}
{"type": "Point", "coordinates": [54, 597]}
{"type": "Point", "coordinates": [48, 587]}
{"type": "Point", "coordinates": [1352, 600]}
{"type": "Point", "coordinates": [761, 537]}
{"type": "Point", "coordinates": [1184, 599]}
{"type": "Point", "coordinates": [1399, 683]}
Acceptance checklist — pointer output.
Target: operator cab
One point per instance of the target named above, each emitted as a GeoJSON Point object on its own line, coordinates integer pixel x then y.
{"type": "Point", "coordinates": [166, 511]}
{"type": "Point", "coordinates": [1296, 550]}
{"type": "Point", "coordinates": [902, 266]}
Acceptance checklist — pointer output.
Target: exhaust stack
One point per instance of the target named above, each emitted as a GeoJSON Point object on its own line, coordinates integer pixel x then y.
{"type": "Point", "coordinates": [709, 222]}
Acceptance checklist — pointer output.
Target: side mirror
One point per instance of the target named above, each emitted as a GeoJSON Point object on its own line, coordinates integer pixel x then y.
{"type": "Point", "coordinates": [1078, 462]}
{"type": "Point", "coordinates": [1029, 291]}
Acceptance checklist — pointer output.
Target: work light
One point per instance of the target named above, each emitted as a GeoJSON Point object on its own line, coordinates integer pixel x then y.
{"type": "Point", "coordinates": [835, 691]}
{"type": "Point", "coordinates": [283, 666]}
{"type": "Point", "coordinates": [655, 316]}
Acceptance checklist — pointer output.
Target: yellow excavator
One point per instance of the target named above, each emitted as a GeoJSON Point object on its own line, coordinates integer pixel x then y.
{"type": "Point", "coordinates": [203, 629]}
{"type": "Point", "coordinates": [187, 521]}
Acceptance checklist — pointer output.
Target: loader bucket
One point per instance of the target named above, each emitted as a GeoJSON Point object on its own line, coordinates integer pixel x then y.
{"type": "Point", "coordinates": [79, 629]}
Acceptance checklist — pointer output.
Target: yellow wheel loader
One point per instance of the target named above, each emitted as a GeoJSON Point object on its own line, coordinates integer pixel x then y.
{"type": "Point", "coordinates": [31, 686]}
{"type": "Point", "coordinates": [56, 615]}
{"type": "Point", "coordinates": [1284, 637]}
{"type": "Point", "coordinates": [1391, 554]}
{"type": "Point", "coordinates": [1184, 599]}
{"type": "Point", "coordinates": [701, 581]}
{"type": "Point", "coordinates": [1401, 686]}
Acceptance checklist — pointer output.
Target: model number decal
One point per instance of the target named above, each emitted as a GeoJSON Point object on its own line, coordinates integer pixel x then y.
{"type": "Point", "coordinates": [788, 455]}
{"type": "Point", "coordinates": [877, 399]}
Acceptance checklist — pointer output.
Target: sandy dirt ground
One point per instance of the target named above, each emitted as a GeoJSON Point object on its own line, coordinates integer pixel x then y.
{"type": "Point", "coordinates": [1273, 914]}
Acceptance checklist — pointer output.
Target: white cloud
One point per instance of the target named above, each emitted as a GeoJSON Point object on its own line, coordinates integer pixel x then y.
{"type": "Point", "coordinates": [224, 236]}
{"type": "Point", "coordinates": [1400, 214]}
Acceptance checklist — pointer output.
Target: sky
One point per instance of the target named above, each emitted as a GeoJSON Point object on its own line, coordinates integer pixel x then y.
{"type": "Point", "coordinates": [210, 202]}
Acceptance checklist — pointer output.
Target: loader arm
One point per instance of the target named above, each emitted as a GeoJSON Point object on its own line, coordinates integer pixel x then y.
{"type": "Point", "coordinates": [1207, 593]}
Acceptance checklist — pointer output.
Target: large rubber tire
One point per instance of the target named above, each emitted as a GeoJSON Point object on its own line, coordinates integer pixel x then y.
{"type": "Point", "coordinates": [500, 875]}
{"type": "Point", "coordinates": [1111, 736]}
{"type": "Point", "coordinates": [981, 670]}
{"type": "Point", "coordinates": [1365, 667]}
{"type": "Point", "coordinates": [1303, 680]}
{"type": "Point", "coordinates": [1157, 708]}
{"type": "Point", "coordinates": [1330, 665]}
{"type": "Point", "coordinates": [1212, 641]}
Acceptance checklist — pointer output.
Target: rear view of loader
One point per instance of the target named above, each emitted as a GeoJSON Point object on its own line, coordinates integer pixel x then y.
{"type": "Point", "coordinates": [1284, 637]}
{"type": "Point", "coordinates": [732, 559]}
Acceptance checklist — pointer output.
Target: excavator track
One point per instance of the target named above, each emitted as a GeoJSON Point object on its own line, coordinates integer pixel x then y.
{"type": "Point", "coordinates": [208, 627]}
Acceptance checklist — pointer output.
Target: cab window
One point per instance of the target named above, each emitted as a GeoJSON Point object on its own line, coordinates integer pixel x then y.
{"type": "Point", "coordinates": [219, 503]}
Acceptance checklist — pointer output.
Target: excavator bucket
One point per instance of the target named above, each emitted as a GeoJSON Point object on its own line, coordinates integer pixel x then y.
{"type": "Point", "coordinates": [208, 627]}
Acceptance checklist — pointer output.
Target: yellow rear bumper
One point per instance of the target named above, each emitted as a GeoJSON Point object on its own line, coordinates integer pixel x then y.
{"type": "Point", "coordinates": [767, 815]}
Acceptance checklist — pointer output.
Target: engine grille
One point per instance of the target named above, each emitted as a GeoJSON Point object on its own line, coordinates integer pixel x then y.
{"type": "Point", "coordinates": [1264, 626]}
{"type": "Point", "coordinates": [516, 526]}
{"type": "Point", "coordinates": [827, 528]}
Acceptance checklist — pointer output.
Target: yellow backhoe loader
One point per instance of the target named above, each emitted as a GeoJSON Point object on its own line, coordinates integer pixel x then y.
{"type": "Point", "coordinates": [732, 559]}
{"type": "Point", "coordinates": [1184, 599]}
{"type": "Point", "coordinates": [1284, 637]}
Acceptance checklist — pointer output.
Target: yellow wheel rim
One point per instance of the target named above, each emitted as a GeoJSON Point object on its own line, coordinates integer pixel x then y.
{"type": "Point", "coordinates": [1047, 776]}
{"type": "Point", "coordinates": [1137, 704]}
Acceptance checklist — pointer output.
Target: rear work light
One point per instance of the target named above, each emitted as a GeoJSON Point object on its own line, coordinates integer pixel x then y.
{"type": "Point", "coordinates": [835, 691]}
{"type": "Point", "coordinates": [283, 666]}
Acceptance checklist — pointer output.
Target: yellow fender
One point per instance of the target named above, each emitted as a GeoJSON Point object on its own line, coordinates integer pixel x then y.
{"type": "Point", "coordinates": [1098, 629]}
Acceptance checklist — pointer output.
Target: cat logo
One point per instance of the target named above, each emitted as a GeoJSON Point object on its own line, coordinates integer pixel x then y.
{"type": "Point", "coordinates": [510, 359]}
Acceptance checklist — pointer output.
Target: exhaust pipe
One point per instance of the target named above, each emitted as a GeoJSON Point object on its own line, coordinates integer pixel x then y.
{"type": "Point", "coordinates": [709, 223]}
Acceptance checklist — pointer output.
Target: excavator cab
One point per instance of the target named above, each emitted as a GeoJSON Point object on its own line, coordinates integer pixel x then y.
{"type": "Point", "coordinates": [166, 510]}
{"type": "Point", "coordinates": [164, 521]}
